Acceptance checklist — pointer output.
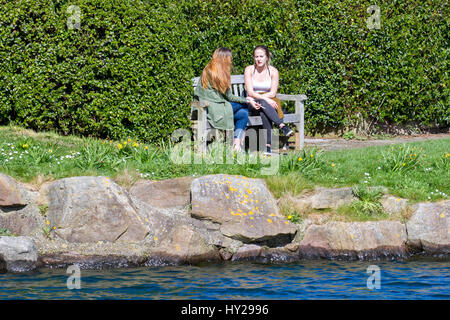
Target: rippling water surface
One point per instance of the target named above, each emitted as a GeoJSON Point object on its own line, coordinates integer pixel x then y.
{"type": "Point", "coordinates": [320, 279]}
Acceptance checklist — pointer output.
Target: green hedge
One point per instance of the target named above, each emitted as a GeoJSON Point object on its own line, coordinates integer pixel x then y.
{"type": "Point", "coordinates": [123, 73]}
{"type": "Point", "coordinates": [127, 70]}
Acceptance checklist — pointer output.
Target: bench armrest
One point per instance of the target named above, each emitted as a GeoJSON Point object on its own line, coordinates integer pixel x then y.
{"type": "Point", "coordinates": [199, 104]}
{"type": "Point", "coordinates": [291, 97]}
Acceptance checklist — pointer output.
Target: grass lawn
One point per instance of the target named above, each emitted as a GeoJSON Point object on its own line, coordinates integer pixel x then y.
{"type": "Point", "coordinates": [418, 171]}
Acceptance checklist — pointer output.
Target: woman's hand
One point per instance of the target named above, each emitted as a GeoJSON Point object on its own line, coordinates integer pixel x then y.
{"type": "Point", "coordinates": [272, 103]}
{"type": "Point", "coordinates": [255, 104]}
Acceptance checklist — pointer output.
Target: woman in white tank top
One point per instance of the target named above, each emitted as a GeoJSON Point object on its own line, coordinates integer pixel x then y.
{"type": "Point", "coordinates": [261, 84]}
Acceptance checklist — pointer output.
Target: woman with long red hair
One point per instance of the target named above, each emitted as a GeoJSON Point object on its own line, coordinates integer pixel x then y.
{"type": "Point", "coordinates": [225, 111]}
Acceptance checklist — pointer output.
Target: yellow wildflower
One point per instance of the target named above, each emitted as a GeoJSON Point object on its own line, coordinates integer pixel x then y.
{"type": "Point", "coordinates": [119, 146]}
{"type": "Point", "coordinates": [300, 159]}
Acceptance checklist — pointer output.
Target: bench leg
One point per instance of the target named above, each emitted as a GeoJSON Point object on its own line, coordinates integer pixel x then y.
{"type": "Point", "coordinates": [201, 131]}
{"type": "Point", "coordinates": [300, 139]}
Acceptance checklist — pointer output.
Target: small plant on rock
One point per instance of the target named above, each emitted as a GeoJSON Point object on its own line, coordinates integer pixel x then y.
{"type": "Point", "coordinates": [368, 200]}
{"type": "Point", "coordinates": [5, 232]}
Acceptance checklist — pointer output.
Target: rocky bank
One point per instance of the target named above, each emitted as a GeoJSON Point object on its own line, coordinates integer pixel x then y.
{"type": "Point", "coordinates": [95, 223]}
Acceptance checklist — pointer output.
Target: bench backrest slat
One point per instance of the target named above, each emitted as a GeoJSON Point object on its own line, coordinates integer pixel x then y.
{"type": "Point", "coordinates": [237, 84]}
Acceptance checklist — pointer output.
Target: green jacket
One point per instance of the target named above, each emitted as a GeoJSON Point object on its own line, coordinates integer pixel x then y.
{"type": "Point", "coordinates": [220, 112]}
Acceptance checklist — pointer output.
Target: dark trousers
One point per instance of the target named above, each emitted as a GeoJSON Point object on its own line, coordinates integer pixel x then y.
{"type": "Point", "coordinates": [269, 116]}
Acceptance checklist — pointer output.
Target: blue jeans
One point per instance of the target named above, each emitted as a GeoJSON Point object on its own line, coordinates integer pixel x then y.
{"type": "Point", "coordinates": [240, 111]}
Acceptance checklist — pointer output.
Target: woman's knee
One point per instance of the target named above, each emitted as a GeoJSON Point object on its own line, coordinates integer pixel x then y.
{"type": "Point", "coordinates": [241, 114]}
{"type": "Point", "coordinates": [238, 106]}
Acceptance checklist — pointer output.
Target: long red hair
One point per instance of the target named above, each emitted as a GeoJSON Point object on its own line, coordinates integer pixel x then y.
{"type": "Point", "coordinates": [217, 71]}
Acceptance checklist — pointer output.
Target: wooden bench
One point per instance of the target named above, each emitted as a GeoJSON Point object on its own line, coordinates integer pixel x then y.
{"type": "Point", "coordinates": [201, 125]}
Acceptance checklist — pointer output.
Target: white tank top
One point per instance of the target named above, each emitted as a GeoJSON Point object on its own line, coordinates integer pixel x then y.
{"type": "Point", "coordinates": [261, 86]}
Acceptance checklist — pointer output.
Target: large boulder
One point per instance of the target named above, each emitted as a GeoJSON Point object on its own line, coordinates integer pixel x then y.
{"type": "Point", "coordinates": [18, 254]}
{"type": "Point", "coordinates": [183, 245]}
{"type": "Point", "coordinates": [325, 198]}
{"type": "Point", "coordinates": [251, 252]}
{"type": "Point", "coordinates": [15, 194]}
{"type": "Point", "coordinates": [91, 209]}
{"type": "Point", "coordinates": [10, 195]}
{"type": "Point", "coordinates": [19, 211]}
{"type": "Point", "coordinates": [244, 208]}
{"type": "Point", "coordinates": [429, 227]}
{"type": "Point", "coordinates": [23, 221]}
{"type": "Point", "coordinates": [392, 205]}
{"type": "Point", "coordinates": [355, 240]}
{"type": "Point", "coordinates": [247, 252]}
{"type": "Point", "coordinates": [172, 193]}
{"type": "Point", "coordinates": [177, 238]}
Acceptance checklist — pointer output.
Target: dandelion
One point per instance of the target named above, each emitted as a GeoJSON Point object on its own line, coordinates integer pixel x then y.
{"type": "Point", "coordinates": [300, 159]}
{"type": "Point", "coordinates": [289, 217]}
{"type": "Point", "coordinates": [146, 147]}
{"type": "Point", "coordinates": [25, 146]}
{"type": "Point", "coordinates": [119, 146]}
{"type": "Point", "coordinates": [403, 164]}
{"type": "Point", "coordinates": [135, 144]}
{"type": "Point", "coordinates": [332, 164]}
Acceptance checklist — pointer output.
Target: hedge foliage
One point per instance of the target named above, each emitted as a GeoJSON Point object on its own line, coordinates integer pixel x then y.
{"type": "Point", "coordinates": [126, 71]}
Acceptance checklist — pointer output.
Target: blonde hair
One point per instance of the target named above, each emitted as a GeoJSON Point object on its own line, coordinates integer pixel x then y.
{"type": "Point", "coordinates": [217, 71]}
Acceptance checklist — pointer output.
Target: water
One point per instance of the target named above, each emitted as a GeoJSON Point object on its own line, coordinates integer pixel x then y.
{"type": "Point", "coordinates": [309, 279]}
